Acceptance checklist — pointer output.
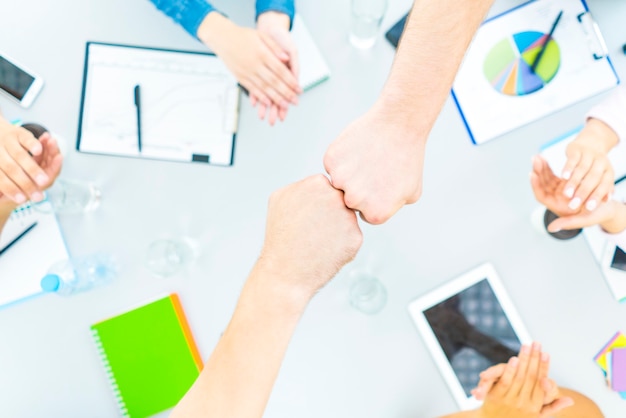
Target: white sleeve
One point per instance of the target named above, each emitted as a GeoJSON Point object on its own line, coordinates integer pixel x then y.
{"type": "Point", "coordinates": [618, 239]}
{"type": "Point", "coordinates": [612, 111]}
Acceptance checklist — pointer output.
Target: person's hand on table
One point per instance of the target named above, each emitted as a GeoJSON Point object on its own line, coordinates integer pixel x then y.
{"type": "Point", "coordinates": [377, 161]}
{"type": "Point", "coordinates": [310, 234]}
{"type": "Point", "coordinates": [521, 388]}
{"type": "Point", "coordinates": [548, 190]}
{"type": "Point", "coordinates": [256, 59]}
{"type": "Point", "coordinates": [276, 25]}
{"type": "Point", "coordinates": [588, 172]}
{"type": "Point", "coordinates": [27, 166]}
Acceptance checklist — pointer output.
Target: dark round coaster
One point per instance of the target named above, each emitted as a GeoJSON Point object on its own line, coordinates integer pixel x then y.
{"type": "Point", "coordinates": [624, 48]}
{"type": "Point", "coordinates": [548, 217]}
{"type": "Point", "coordinates": [35, 129]}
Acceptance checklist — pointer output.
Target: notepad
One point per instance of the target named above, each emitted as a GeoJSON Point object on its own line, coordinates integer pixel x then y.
{"type": "Point", "coordinates": [23, 265]}
{"type": "Point", "coordinates": [189, 104]}
{"type": "Point", "coordinates": [149, 356]}
{"type": "Point", "coordinates": [618, 367]}
{"type": "Point", "coordinates": [313, 67]}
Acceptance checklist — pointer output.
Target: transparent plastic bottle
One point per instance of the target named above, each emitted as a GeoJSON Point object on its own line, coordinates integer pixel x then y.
{"type": "Point", "coordinates": [79, 274]}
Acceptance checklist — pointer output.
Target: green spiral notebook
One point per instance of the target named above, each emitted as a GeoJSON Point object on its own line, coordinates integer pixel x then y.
{"type": "Point", "coordinates": [149, 356]}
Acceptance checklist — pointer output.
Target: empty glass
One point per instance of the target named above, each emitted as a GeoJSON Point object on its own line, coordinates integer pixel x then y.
{"type": "Point", "coordinates": [166, 257]}
{"type": "Point", "coordinates": [71, 196]}
{"type": "Point", "coordinates": [367, 15]}
{"type": "Point", "coordinates": [367, 293]}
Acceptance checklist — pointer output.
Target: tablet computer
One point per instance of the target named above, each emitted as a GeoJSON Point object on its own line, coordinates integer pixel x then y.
{"type": "Point", "coordinates": [394, 34]}
{"type": "Point", "coordinates": [468, 325]}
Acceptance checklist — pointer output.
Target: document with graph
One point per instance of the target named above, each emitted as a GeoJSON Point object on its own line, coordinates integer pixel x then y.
{"type": "Point", "coordinates": [158, 104]}
{"type": "Point", "coordinates": [529, 62]}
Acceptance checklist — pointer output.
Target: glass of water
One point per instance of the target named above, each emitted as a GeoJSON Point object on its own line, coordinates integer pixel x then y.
{"type": "Point", "coordinates": [70, 196]}
{"type": "Point", "coordinates": [367, 15]}
{"type": "Point", "coordinates": [367, 293]}
{"type": "Point", "coordinates": [167, 257]}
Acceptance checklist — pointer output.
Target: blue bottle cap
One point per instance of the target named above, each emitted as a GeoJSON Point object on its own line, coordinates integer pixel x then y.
{"type": "Point", "coordinates": [50, 283]}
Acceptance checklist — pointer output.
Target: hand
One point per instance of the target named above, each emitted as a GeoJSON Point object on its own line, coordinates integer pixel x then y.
{"type": "Point", "coordinates": [521, 388]}
{"type": "Point", "coordinates": [377, 162]}
{"type": "Point", "coordinates": [588, 171]}
{"type": "Point", "coordinates": [310, 234]}
{"type": "Point", "coordinates": [254, 57]}
{"type": "Point", "coordinates": [276, 25]}
{"type": "Point", "coordinates": [27, 166]}
{"type": "Point", "coordinates": [548, 190]}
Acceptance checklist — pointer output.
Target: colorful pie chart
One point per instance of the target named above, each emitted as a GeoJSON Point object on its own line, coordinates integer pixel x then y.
{"type": "Point", "coordinates": [508, 64]}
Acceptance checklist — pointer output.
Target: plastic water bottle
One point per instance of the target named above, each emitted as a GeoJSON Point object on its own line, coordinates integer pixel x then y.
{"type": "Point", "coordinates": [79, 274]}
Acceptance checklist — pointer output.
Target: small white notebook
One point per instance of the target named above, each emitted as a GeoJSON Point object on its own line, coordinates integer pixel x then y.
{"type": "Point", "coordinates": [23, 264]}
{"type": "Point", "coordinates": [313, 67]}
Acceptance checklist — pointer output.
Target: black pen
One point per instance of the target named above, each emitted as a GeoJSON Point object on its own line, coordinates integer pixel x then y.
{"type": "Point", "coordinates": [545, 43]}
{"type": "Point", "coordinates": [138, 106]}
{"type": "Point", "coordinates": [19, 237]}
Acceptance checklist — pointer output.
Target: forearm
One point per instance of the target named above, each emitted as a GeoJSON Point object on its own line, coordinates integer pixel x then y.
{"type": "Point", "coordinates": [238, 377]}
{"type": "Point", "coordinates": [5, 212]}
{"type": "Point", "coordinates": [215, 31]}
{"type": "Point", "coordinates": [617, 223]}
{"type": "Point", "coordinates": [187, 13]}
{"type": "Point", "coordinates": [599, 135]}
{"type": "Point", "coordinates": [434, 42]}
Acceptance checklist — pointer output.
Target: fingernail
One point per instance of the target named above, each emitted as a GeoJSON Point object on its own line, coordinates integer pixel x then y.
{"type": "Point", "coordinates": [574, 203]}
{"type": "Point", "coordinates": [36, 197]}
{"type": "Point", "coordinates": [569, 192]}
{"type": "Point", "coordinates": [42, 179]}
{"type": "Point", "coordinates": [545, 357]}
{"type": "Point", "coordinates": [513, 361]}
{"type": "Point", "coordinates": [591, 205]}
{"type": "Point", "coordinates": [566, 175]}
{"type": "Point", "coordinates": [553, 230]}
{"type": "Point", "coordinates": [525, 349]}
{"type": "Point", "coordinates": [536, 346]}
{"type": "Point", "coordinates": [20, 198]}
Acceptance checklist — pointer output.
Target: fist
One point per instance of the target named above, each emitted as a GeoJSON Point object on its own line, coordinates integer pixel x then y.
{"type": "Point", "coordinates": [310, 233]}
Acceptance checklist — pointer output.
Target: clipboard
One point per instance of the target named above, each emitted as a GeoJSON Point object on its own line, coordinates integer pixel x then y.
{"type": "Point", "coordinates": [496, 91]}
{"type": "Point", "coordinates": [189, 105]}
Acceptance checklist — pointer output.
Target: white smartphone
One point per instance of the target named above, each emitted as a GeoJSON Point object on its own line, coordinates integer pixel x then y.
{"type": "Point", "coordinates": [18, 82]}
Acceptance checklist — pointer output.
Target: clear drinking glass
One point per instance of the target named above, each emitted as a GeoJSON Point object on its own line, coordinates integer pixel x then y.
{"type": "Point", "coordinates": [71, 196]}
{"type": "Point", "coordinates": [367, 293]}
{"type": "Point", "coordinates": [166, 257]}
{"type": "Point", "coordinates": [367, 15]}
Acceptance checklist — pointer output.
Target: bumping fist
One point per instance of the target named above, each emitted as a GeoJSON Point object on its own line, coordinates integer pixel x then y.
{"type": "Point", "coordinates": [310, 233]}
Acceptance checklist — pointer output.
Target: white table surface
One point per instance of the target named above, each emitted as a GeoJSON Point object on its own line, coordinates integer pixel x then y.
{"type": "Point", "coordinates": [476, 207]}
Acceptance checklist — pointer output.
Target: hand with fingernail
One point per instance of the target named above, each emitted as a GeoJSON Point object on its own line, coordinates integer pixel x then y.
{"type": "Point", "coordinates": [521, 388]}
{"type": "Point", "coordinates": [588, 172]}
{"type": "Point", "coordinates": [27, 166]}
{"type": "Point", "coordinates": [549, 191]}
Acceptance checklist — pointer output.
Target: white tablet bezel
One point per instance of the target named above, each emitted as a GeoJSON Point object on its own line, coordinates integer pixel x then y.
{"type": "Point", "coordinates": [33, 90]}
{"type": "Point", "coordinates": [451, 288]}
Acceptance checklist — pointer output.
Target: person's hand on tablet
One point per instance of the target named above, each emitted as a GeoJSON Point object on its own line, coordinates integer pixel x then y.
{"type": "Point", "coordinates": [588, 172]}
{"type": "Point", "coordinates": [522, 390]}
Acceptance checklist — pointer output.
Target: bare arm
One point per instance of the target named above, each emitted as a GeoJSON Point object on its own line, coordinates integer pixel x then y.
{"type": "Point", "coordinates": [377, 161]}
{"type": "Point", "coordinates": [238, 378]}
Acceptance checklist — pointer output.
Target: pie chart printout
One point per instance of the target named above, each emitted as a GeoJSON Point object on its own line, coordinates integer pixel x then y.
{"type": "Point", "coordinates": [508, 64]}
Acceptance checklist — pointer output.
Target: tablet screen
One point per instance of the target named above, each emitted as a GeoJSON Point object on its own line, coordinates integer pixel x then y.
{"type": "Point", "coordinates": [619, 259]}
{"type": "Point", "coordinates": [473, 332]}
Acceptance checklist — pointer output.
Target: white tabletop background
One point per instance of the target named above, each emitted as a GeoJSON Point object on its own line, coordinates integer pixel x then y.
{"type": "Point", "coordinates": [476, 207]}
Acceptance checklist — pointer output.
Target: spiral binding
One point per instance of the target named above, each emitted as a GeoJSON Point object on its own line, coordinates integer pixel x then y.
{"type": "Point", "coordinates": [110, 375]}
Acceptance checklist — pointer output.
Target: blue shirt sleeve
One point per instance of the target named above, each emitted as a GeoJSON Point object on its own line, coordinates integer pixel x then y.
{"type": "Point", "coordinates": [187, 13]}
{"type": "Point", "coordinates": [284, 6]}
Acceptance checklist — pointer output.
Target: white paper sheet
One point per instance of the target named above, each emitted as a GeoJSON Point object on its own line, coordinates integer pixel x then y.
{"type": "Point", "coordinates": [189, 104]}
{"type": "Point", "coordinates": [490, 113]}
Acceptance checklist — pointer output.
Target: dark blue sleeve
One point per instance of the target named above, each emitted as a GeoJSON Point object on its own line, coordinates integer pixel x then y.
{"type": "Point", "coordinates": [284, 6]}
{"type": "Point", "coordinates": [187, 13]}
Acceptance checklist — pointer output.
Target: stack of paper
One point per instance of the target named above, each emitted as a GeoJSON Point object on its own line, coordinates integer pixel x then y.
{"type": "Point", "coordinates": [612, 361]}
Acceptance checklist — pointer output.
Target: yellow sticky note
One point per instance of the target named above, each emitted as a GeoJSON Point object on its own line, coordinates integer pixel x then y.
{"type": "Point", "coordinates": [618, 341]}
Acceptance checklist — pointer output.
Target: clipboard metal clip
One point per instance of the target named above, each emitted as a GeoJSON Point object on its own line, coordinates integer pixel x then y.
{"type": "Point", "coordinates": [596, 41]}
